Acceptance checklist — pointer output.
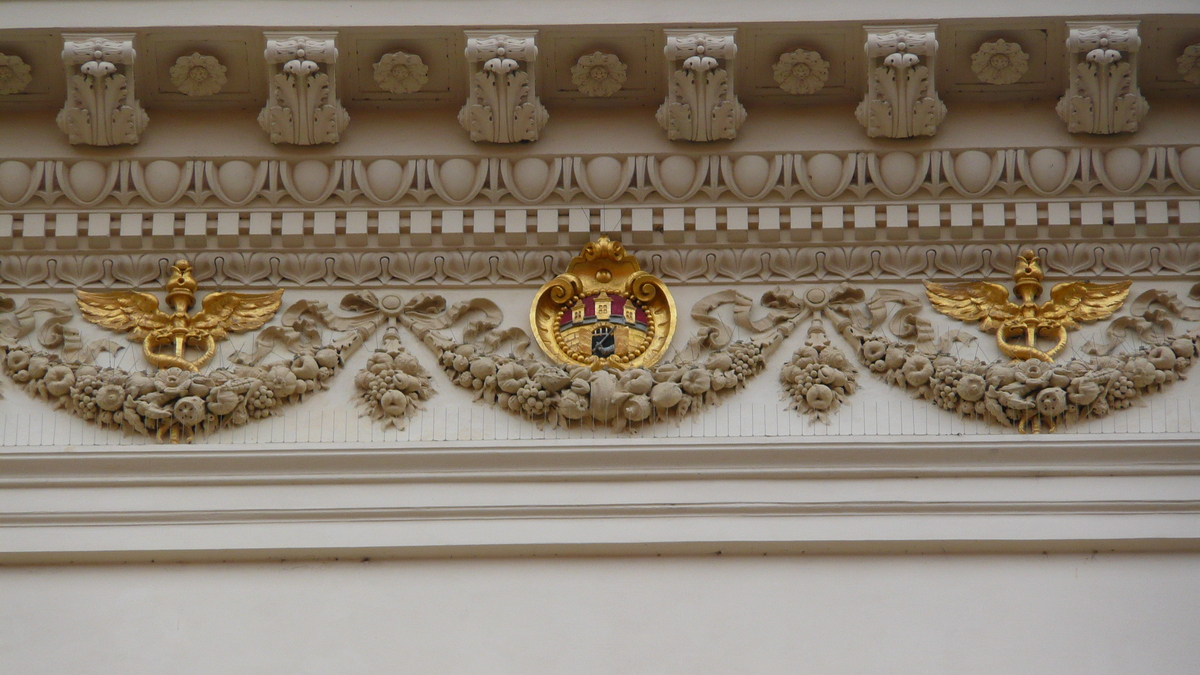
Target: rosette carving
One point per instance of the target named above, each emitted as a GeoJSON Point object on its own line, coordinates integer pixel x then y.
{"type": "Point", "coordinates": [198, 74]}
{"type": "Point", "coordinates": [14, 74]}
{"type": "Point", "coordinates": [801, 72]}
{"type": "Point", "coordinates": [598, 74]}
{"type": "Point", "coordinates": [401, 73]}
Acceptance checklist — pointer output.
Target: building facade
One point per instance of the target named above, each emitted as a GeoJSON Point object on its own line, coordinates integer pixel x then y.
{"type": "Point", "coordinates": [617, 337]}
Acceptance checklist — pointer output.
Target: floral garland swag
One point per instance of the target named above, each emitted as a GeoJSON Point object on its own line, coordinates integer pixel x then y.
{"type": "Point", "coordinates": [177, 405]}
{"type": "Point", "coordinates": [1028, 394]}
{"type": "Point", "coordinates": [712, 367]}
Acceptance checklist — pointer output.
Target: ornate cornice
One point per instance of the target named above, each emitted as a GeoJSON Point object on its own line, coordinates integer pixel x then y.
{"type": "Point", "coordinates": [993, 174]}
{"type": "Point", "coordinates": [532, 267]}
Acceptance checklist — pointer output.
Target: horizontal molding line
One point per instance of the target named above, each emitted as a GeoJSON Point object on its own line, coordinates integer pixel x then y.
{"type": "Point", "coordinates": [1139, 258]}
{"type": "Point", "coordinates": [624, 180]}
{"type": "Point", "coordinates": [1087, 528]}
{"type": "Point", "coordinates": [544, 512]}
{"type": "Point", "coordinates": [661, 459]}
{"type": "Point", "coordinates": [664, 224]}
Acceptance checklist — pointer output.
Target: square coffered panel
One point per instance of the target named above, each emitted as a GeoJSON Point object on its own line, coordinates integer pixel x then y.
{"type": "Point", "coordinates": [42, 53]}
{"type": "Point", "coordinates": [763, 49]}
{"type": "Point", "coordinates": [1161, 47]}
{"type": "Point", "coordinates": [638, 48]}
{"type": "Point", "coordinates": [958, 45]}
{"type": "Point", "coordinates": [241, 56]}
{"type": "Point", "coordinates": [440, 50]}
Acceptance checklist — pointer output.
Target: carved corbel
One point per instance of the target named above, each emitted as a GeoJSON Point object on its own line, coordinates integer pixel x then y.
{"type": "Point", "coordinates": [302, 104]}
{"type": "Point", "coordinates": [701, 104]}
{"type": "Point", "coordinates": [502, 104]}
{"type": "Point", "coordinates": [1102, 92]}
{"type": "Point", "coordinates": [101, 107]}
{"type": "Point", "coordinates": [901, 100]}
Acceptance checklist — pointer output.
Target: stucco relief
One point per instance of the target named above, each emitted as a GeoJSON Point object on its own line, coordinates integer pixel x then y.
{"type": "Point", "coordinates": [822, 177]}
{"type": "Point", "coordinates": [801, 71]}
{"type": "Point", "coordinates": [171, 404]}
{"type": "Point", "coordinates": [1102, 94]}
{"type": "Point", "coordinates": [401, 73]}
{"type": "Point", "coordinates": [999, 62]}
{"type": "Point", "coordinates": [598, 74]}
{"type": "Point", "coordinates": [1032, 394]}
{"type": "Point", "coordinates": [14, 74]}
{"type": "Point", "coordinates": [477, 352]}
{"type": "Point", "coordinates": [502, 102]}
{"type": "Point", "coordinates": [701, 102]}
{"type": "Point", "coordinates": [1188, 63]}
{"type": "Point", "coordinates": [198, 74]}
{"type": "Point", "coordinates": [302, 101]}
{"type": "Point", "coordinates": [101, 107]}
{"type": "Point", "coordinates": [715, 266]}
{"type": "Point", "coordinates": [901, 100]}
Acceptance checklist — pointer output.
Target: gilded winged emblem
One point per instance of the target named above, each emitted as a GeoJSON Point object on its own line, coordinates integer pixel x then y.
{"type": "Point", "coordinates": [1070, 304]}
{"type": "Point", "coordinates": [138, 313]}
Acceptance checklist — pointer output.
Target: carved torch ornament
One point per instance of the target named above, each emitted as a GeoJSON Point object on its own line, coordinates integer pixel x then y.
{"type": "Point", "coordinates": [138, 313]}
{"type": "Point", "coordinates": [604, 311]}
{"type": "Point", "coordinates": [1070, 304]}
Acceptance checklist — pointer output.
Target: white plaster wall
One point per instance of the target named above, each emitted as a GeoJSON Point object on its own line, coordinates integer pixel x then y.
{"type": "Point", "coordinates": [1056, 614]}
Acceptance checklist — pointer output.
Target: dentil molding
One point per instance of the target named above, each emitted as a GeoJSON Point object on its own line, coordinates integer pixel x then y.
{"type": "Point", "coordinates": [101, 106]}
{"type": "Point", "coordinates": [302, 103]}
{"type": "Point", "coordinates": [502, 104]}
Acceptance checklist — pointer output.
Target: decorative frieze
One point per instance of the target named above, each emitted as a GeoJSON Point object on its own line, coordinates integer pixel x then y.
{"type": "Point", "coordinates": [101, 107]}
{"type": "Point", "coordinates": [302, 103]}
{"type": "Point", "coordinates": [502, 103]}
{"type": "Point", "coordinates": [455, 267]}
{"type": "Point", "coordinates": [901, 100]}
{"type": "Point", "coordinates": [820, 178]}
{"type": "Point", "coordinates": [701, 103]}
{"type": "Point", "coordinates": [1102, 92]}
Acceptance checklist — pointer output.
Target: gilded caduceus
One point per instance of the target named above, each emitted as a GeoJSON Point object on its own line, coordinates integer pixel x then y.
{"type": "Point", "coordinates": [138, 313]}
{"type": "Point", "coordinates": [1070, 304]}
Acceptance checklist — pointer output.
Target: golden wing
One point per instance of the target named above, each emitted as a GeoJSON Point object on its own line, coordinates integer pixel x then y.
{"type": "Point", "coordinates": [1078, 301]}
{"type": "Point", "coordinates": [123, 310]}
{"type": "Point", "coordinates": [225, 313]}
{"type": "Point", "coordinates": [976, 301]}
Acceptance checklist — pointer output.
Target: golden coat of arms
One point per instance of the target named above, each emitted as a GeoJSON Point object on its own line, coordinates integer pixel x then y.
{"type": "Point", "coordinates": [604, 311]}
